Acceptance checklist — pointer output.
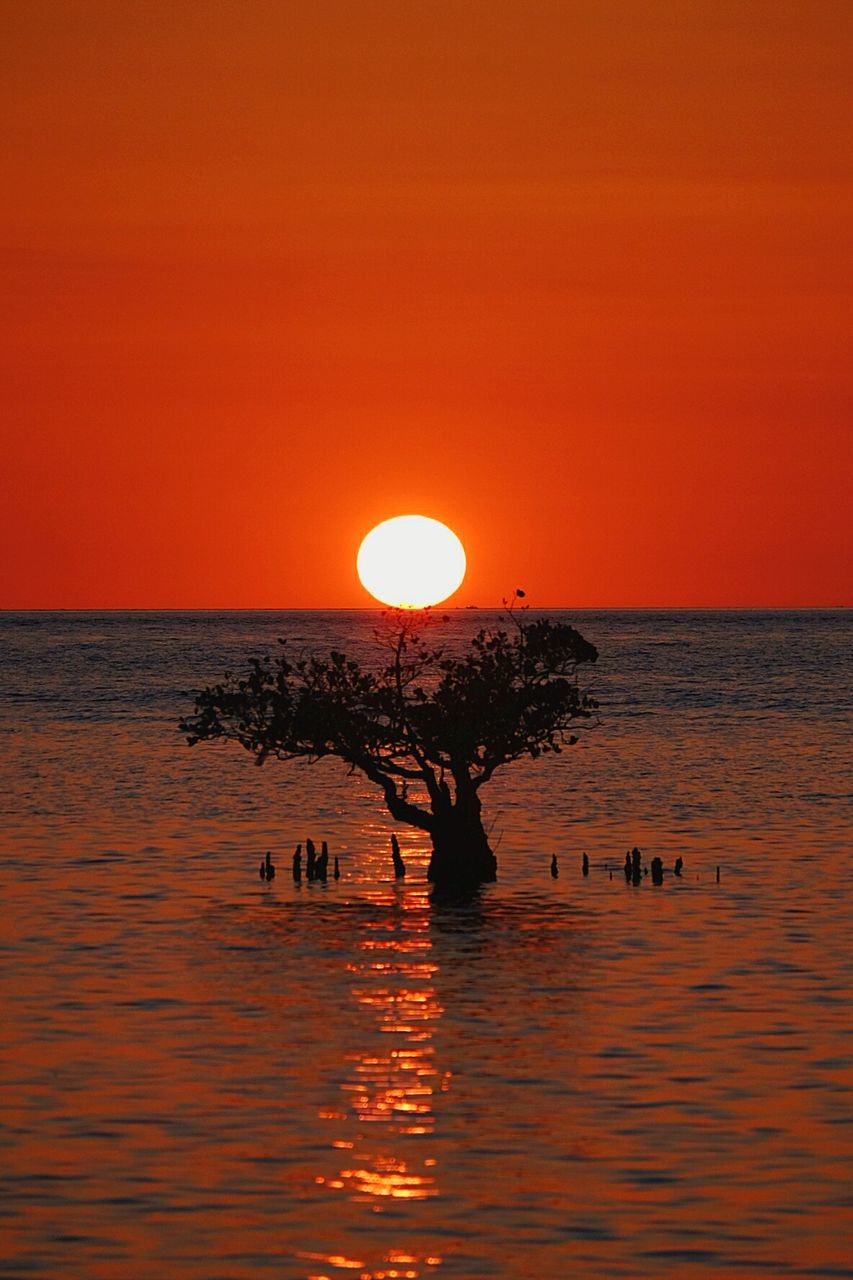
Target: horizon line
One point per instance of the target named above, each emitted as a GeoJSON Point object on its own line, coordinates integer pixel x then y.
{"type": "Point", "coordinates": [457, 608]}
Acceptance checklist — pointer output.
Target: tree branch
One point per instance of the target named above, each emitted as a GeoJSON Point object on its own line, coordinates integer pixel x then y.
{"type": "Point", "coordinates": [399, 808]}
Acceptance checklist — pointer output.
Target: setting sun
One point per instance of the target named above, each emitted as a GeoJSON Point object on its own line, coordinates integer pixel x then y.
{"type": "Point", "coordinates": [411, 562]}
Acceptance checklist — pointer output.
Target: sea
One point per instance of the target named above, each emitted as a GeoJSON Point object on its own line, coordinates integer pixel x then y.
{"type": "Point", "coordinates": [208, 1076]}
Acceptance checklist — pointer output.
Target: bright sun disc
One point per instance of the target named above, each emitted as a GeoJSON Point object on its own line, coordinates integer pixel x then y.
{"type": "Point", "coordinates": [411, 562]}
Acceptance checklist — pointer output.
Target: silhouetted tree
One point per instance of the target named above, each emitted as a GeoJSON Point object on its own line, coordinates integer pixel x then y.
{"type": "Point", "coordinates": [426, 728]}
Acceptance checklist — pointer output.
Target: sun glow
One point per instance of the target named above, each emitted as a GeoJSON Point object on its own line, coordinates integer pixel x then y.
{"type": "Point", "coordinates": [411, 562]}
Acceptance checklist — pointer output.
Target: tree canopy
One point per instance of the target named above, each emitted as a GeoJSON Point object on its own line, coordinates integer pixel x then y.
{"type": "Point", "coordinates": [426, 726]}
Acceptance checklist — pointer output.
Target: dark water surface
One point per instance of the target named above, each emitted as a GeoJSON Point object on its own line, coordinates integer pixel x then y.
{"type": "Point", "coordinates": [206, 1076]}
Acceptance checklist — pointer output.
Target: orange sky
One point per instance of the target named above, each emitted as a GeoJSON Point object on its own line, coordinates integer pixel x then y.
{"type": "Point", "coordinates": [572, 277]}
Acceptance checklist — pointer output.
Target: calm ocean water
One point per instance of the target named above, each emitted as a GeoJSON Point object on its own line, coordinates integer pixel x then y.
{"type": "Point", "coordinates": [202, 1075]}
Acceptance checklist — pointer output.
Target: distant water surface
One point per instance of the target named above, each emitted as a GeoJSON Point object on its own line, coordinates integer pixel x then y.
{"type": "Point", "coordinates": [204, 1076]}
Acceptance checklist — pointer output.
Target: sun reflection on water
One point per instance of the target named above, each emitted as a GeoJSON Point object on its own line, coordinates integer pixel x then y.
{"type": "Point", "coordinates": [393, 1078]}
{"type": "Point", "coordinates": [398, 1266]}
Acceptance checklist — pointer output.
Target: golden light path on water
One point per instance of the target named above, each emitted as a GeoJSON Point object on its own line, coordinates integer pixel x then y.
{"type": "Point", "coordinates": [388, 1093]}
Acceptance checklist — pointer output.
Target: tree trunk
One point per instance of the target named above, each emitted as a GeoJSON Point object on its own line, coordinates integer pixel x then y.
{"type": "Point", "coordinates": [461, 857]}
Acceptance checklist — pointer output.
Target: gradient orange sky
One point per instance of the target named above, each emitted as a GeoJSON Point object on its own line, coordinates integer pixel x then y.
{"type": "Point", "coordinates": [572, 277]}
